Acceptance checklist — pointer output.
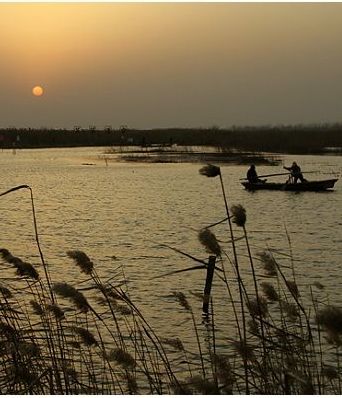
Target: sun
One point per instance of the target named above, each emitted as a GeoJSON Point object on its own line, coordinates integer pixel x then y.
{"type": "Point", "coordinates": [38, 91]}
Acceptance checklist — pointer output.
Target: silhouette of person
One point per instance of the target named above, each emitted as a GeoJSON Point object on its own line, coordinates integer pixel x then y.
{"type": "Point", "coordinates": [252, 175]}
{"type": "Point", "coordinates": [295, 173]}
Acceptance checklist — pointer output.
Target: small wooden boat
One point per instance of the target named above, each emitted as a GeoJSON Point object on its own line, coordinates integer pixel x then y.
{"type": "Point", "coordinates": [322, 185]}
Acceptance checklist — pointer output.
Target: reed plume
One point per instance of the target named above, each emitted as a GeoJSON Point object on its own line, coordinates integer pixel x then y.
{"type": "Point", "coordinates": [224, 372]}
{"type": "Point", "coordinates": [29, 348]}
{"type": "Point", "coordinates": [174, 343]}
{"type": "Point", "coordinates": [318, 285]}
{"type": "Point", "coordinates": [55, 310]}
{"type": "Point", "coordinates": [269, 291]}
{"type": "Point", "coordinates": [182, 300]}
{"type": "Point", "coordinates": [290, 310]}
{"type": "Point", "coordinates": [122, 357]}
{"type": "Point", "coordinates": [5, 291]}
{"type": "Point", "coordinates": [244, 350]}
{"type": "Point", "coordinates": [330, 318]}
{"type": "Point", "coordinates": [209, 241]}
{"type": "Point", "coordinates": [82, 260]}
{"type": "Point", "coordinates": [257, 306]}
{"type": "Point", "coordinates": [330, 372]}
{"type": "Point", "coordinates": [132, 384]}
{"type": "Point", "coordinates": [293, 288]}
{"type": "Point", "coordinates": [22, 268]}
{"type": "Point", "coordinates": [86, 336]}
{"type": "Point", "coordinates": [268, 263]}
{"type": "Point", "coordinates": [253, 327]}
{"type": "Point", "coordinates": [210, 170]}
{"type": "Point", "coordinates": [37, 308]}
{"type": "Point", "coordinates": [238, 215]}
{"type": "Point", "coordinates": [9, 331]}
{"type": "Point", "coordinates": [67, 291]}
{"type": "Point", "coordinates": [122, 309]}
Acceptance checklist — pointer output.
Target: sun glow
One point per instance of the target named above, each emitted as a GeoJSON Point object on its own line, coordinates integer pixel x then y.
{"type": "Point", "coordinates": [37, 91]}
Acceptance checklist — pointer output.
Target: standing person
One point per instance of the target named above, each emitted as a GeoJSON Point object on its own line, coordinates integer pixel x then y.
{"type": "Point", "coordinates": [295, 173]}
{"type": "Point", "coordinates": [252, 175]}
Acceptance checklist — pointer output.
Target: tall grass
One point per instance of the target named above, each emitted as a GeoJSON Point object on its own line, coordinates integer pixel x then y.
{"type": "Point", "coordinates": [91, 338]}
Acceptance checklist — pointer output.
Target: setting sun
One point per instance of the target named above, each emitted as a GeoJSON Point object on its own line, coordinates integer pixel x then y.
{"type": "Point", "coordinates": [37, 91]}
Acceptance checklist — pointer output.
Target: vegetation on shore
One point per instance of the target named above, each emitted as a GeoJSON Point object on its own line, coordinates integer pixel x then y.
{"type": "Point", "coordinates": [299, 139]}
{"type": "Point", "coordinates": [180, 154]}
{"type": "Point", "coordinates": [57, 338]}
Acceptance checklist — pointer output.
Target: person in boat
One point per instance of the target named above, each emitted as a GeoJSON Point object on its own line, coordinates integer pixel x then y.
{"type": "Point", "coordinates": [252, 175]}
{"type": "Point", "coordinates": [296, 173]}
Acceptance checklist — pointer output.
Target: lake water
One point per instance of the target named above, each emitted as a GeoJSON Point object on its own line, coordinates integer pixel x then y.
{"type": "Point", "coordinates": [121, 214]}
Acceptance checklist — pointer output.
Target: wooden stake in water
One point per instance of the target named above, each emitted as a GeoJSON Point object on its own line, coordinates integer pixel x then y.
{"type": "Point", "coordinates": [208, 283]}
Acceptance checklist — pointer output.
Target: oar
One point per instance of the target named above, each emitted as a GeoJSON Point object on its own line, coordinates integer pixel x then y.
{"type": "Point", "coordinates": [279, 174]}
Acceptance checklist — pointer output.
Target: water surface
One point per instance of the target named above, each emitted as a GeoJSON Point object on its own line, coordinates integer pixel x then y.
{"type": "Point", "coordinates": [121, 214]}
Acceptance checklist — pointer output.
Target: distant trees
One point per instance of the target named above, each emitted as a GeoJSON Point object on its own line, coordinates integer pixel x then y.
{"type": "Point", "coordinates": [290, 139]}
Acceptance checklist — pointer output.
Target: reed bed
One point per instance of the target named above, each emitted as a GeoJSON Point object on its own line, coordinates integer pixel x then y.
{"type": "Point", "coordinates": [91, 338]}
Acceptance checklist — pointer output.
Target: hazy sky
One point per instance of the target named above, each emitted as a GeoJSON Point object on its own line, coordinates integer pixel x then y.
{"type": "Point", "coordinates": [170, 64]}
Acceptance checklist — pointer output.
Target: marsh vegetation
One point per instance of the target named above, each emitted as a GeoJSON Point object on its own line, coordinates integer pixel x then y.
{"type": "Point", "coordinates": [297, 139]}
{"type": "Point", "coordinates": [189, 154]}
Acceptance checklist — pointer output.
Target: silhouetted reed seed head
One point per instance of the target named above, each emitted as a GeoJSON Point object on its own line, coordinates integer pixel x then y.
{"type": "Point", "coordinates": [209, 241]}
{"type": "Point", "coordinates": [268, 263]}
{"type": "Point", "coordinates": [238, 215]}
{"type": "Point", "coordinates": [330, 318]}
{"type": "Point", "coordinates": [246, 351]}
{"type": "Point", "coordinates": [132, 384]}
{"type": "Point", "coordinates": [22, 374]}
{"type": "Point", "coordinates": [257, 307]}
{"type": "Point", "coordinates": [67, 291]}
{"type": "Point", "coordinates": [5, 254]}
{"type": "Point", "coordinates": [253, 327]}
{"type": "Point", "coordinates": [56, 311]}
{"type": "Point", "coordinates": [174, 343]}
{"type": "Point", "coordinates": [290, 310]}
{"type": "Point", "coordinates": [122, 309]}
{"type": "Point", "coordinates": [5, 292]}
{"type": "Point", "coordinates": [330, 372]}
{"type": "Point", "coordinates": [26, 269]}
{"type": "Point", "coordinates": [198, 295]}
{"type": "Point", "coordinates": [10, 332]}
{"type": "Point", "coordinates": [269, 291]}
{"type": "Point", "coordinates": [71, 373]}
{"type": "Point", "coordinates": [293, 288]}
{"type": "Point", "coordinates": [29, 348]}
{"type": "Point", "coordinates": [210, 170]}
{"type": "Point", "coordinates": [22, 268]}
{"type": "Point", "coordinates": [37, 309]}
{"type": "Point", "coordinates": [318, 285]}
{"type": "Point", "coordinates": [182, 300]}
{"type": "Point", "coordinates": [122, 357]}
{"type": "Point", "coordinates": [224, 371]}
{"type": "Point", "coordinates": [82, 260]}
{"type": "Point", "coordinates": [86, 336]}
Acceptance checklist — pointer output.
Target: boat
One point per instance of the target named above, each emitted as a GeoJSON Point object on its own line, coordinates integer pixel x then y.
{"type": "Point", "coordinates": [316, 186]}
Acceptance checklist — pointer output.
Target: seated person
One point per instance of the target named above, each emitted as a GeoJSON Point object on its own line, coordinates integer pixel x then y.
{"type": "Point", "coordinates": [252, 175]}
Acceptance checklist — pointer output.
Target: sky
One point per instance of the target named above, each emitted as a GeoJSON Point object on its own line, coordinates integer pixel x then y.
{"type": "Point", "coordinates": [159, 65]}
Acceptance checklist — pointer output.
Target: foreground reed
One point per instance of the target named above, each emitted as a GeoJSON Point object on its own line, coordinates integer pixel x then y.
{"type": "Point", "coordinates": [90, 338]}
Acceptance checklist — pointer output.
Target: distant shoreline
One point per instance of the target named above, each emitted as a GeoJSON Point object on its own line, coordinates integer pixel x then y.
{"type": "Point", "coordinates": [317, 139]}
